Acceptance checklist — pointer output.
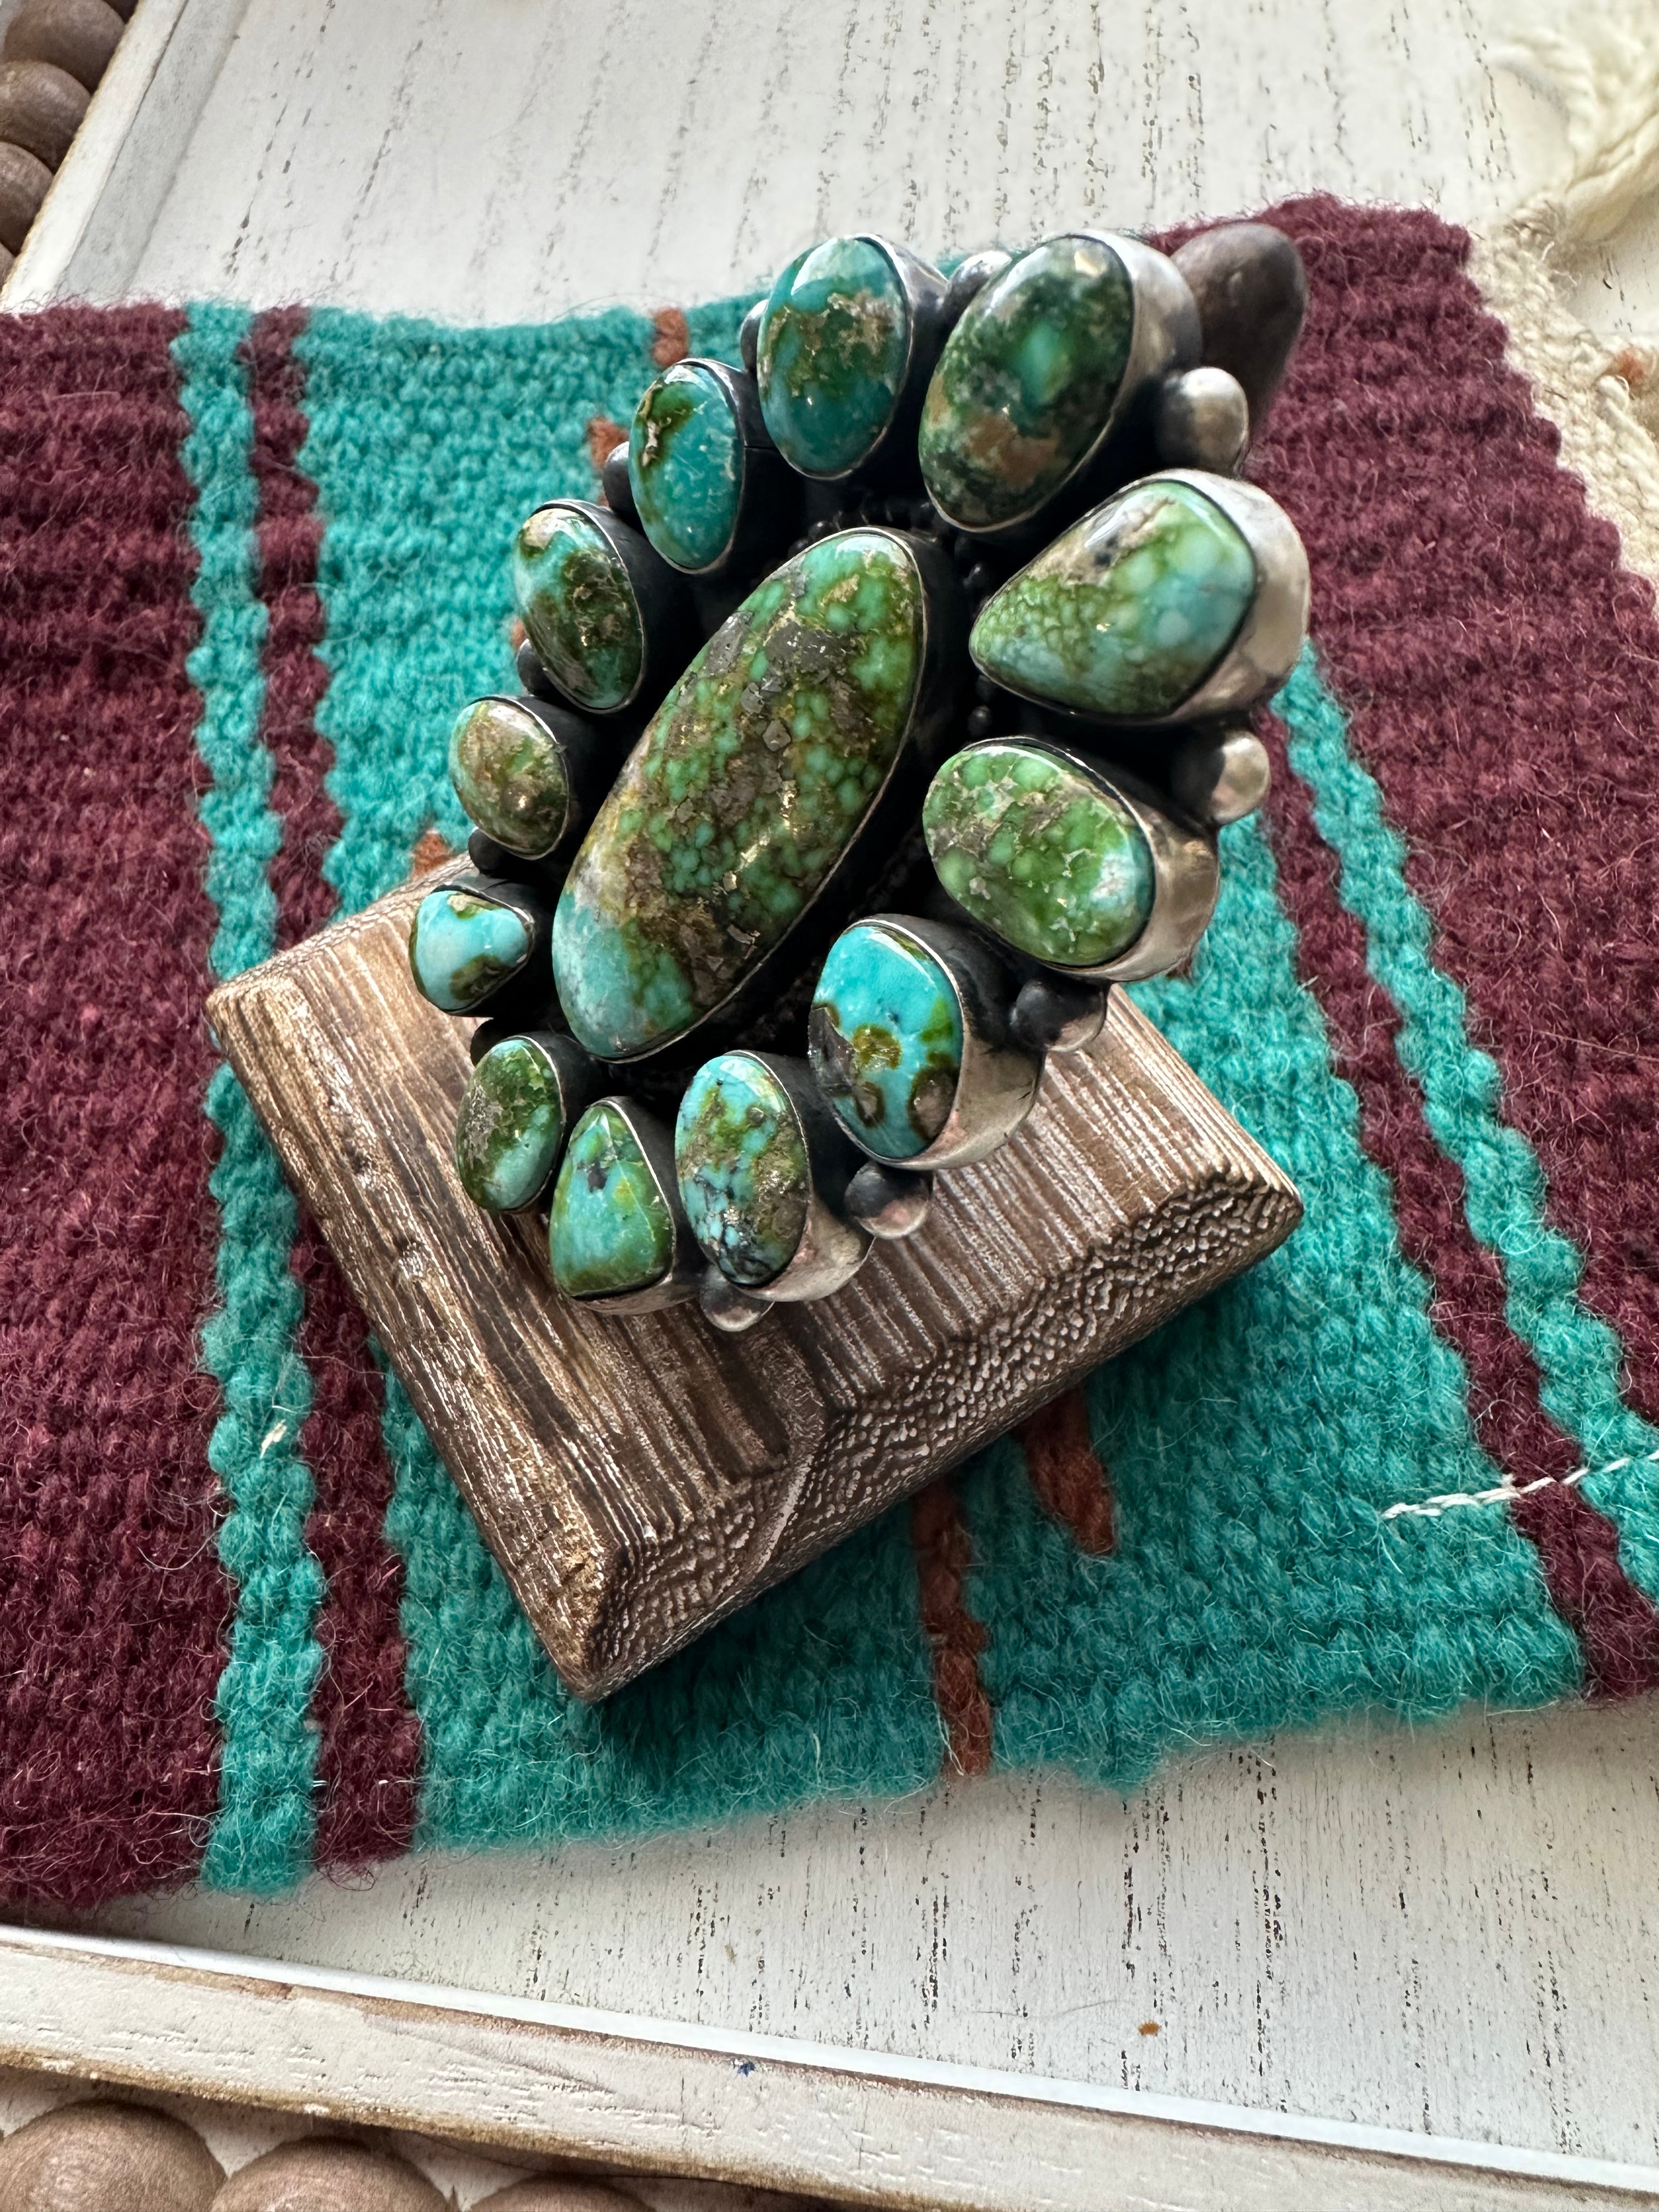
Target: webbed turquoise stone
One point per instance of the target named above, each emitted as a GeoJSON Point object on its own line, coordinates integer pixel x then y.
{"type": "Point", "coordinates": [1126, 612]}
{"type": "Point", "coordinates": [740, 1156]}
{"type": "Point", "coordinates": [685, 466]}
{"type": "Point", "coordinates": [747, 786]}
{"type": "Point", "coordinates": [609, 1228]}
{"type": "Point", "coordinates": [509, 1127]}
{"type": "Point", "coordinates": [462, 947]}
{"type": "Point", "coordinates": [1026, 382]}
{"type": "Point", "coordinates": [1040, 852]}
{"type": "Point", "coordinates": [509, 774]}
{"type": "Point", "coordinates": [830, 362]}
{"type": "Point", "coordinates": [576, 601]}
{"type": "Point", "coordinates": [885, 1035]}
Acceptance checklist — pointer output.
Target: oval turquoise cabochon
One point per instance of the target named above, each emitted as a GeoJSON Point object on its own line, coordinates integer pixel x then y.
{"type": "Point", "coordinates": [576, 600]}
{"type": "Point", "coordinates": [834, 346]}
{"type": "Point", "coordinates": [746, 791]}
{"type": "Point", "coordinates": [685, 466]}
{"type": "Point", "coordinates": [1027, 382]}
{"type": "Point", "coordinates": [886, 1034]}
{"type": "Point", "coordinates": [740, 1158]}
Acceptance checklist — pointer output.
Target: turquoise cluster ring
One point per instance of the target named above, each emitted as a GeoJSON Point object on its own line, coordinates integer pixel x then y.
{"type": "Point", "coordinates": [879, 718]}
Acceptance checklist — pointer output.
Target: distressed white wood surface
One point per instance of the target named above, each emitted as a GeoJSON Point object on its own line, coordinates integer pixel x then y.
{"type": "Point", "coordinates": [1453, 1933]}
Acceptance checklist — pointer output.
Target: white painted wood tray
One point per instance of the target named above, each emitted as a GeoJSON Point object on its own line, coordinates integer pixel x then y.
{"type": "Point", "coordinates": [1013, 1994]}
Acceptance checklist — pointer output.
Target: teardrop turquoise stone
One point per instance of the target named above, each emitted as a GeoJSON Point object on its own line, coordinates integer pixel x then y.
{"type": "Point", "coordinates": [830, 362]}
{"type": "Point", "coordinates": [576, 601]}
{"type": "Point", "coordinates": [462, 947]}
{"type": "Point", "coordinates": [743, 794]}
{"type": "Point", "coordinates": [609, 1228]}
{"type": "Point", "coordinates": [509, 1127]}
{"type": "Point", "coordinates": [509, 774]}
{"type": "Point", "coordinates": [886, 1041]}
{"type": "Point", "coordinates": [740, 1156]}
{"type": "Point", "coordinates": [1039, 852]}
{"type": "Point", "coordinates": [1128, 612]}
{"type": "Point", "coordinates": [685, 466]}
{"type": "Point", "coordinates": [1026, 382]}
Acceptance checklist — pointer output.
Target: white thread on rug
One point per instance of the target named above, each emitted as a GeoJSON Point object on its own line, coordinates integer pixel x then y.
{"type": "Point", "coordinates": [1602, 396]}
{"type": "Point", "coordinates": [1430, 1509]}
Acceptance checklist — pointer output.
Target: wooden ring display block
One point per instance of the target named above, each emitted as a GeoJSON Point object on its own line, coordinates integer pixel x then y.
{"type": "Point", "coordinates": [640, 1478]}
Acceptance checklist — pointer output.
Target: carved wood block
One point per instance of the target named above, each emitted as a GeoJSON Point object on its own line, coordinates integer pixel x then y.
{"type": "Point", "coordinates": [639, 1478]}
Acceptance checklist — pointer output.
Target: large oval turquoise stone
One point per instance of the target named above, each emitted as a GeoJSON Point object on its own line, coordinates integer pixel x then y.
{"type": "Point", "coordinates": [1026, 382]}
{"type": "Point", "coordinates": [886, 1041]}
{"type": "Point", "coordinates": [740, 1156]}
{"type": "Point", "coordinates": [508, 773]}
{"type": "Point", "coordinates": [747, 786]}
{"type": "Point", "coordinates": [1040, 852]}
{"type": "Point", "coordinates": [609, 1228]}
{"type": "Point", "coordinates": [1126, 612]}
{"type": "Point", "coordinates": [833, 342]}
{"type": "Point", "coordinates": [685, 466]}
{"type": "Point", "coordinates": [462, 947]}
{"type": "Point", "coordinates": [509, 1127]}
{"type": "Point", "coordinates": [576, 601]}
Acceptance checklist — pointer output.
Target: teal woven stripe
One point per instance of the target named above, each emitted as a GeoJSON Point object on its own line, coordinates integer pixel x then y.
{"type": "Point", "coordinates": [1252, 1444]}
{"type": "Point", "coordinates": [1579, 1357]}
{"type": "Point", "coordinates": [261, 1837]}
{"type": "Point", "coordinates": [428, 445]}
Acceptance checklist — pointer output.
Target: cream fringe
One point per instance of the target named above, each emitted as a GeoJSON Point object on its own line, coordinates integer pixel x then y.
{"type": "Point", "coordinates": [1602, 396]}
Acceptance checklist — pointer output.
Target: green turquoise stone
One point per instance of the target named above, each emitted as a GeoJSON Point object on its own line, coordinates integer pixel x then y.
{"type": "Point", "coordinates": [740, 1156]}
{"type": "Point", "coordinates": [509, 1127]}
{"type": "Point", "coordinates": [1040, 852]}
{"type": "Point", "coordinates": [746, 789]}
{"type": "Point", "coordinates": [1026, 382]}
{"type": "Point", "coordinates": [609, 1228]}
{"type": "Point", "coordinates": [685, 465]}
{"type": "Point", "coordinates": [1126, 612]}
{"type": "Point", "coordinates": [462, 947]}
{"type": "Point", "coordinates": [886, 1041]}
{"type": "Point", "coordinates": [509, 774]}
{"type": "Point", "coordinates": [833, 342]}
{"type": "Point", "coordinates": [576, 601]}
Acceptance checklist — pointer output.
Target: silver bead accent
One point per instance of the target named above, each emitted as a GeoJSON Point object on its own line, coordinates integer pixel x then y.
{"type": "Point", "coordinates": [1051, 1015]}
{"type": "Point", "coordinates": [887, 1201]}
{"type": "Point", "coordinates": [1220, 774]}
{"type": "Point", "coordinates": [1201, 420]}
{"type": "Point", "coordinates": [730, 1309]}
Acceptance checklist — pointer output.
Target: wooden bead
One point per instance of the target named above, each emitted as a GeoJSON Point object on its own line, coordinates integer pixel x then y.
{"type": "Point", "coordinates": [657, 2194]}
{"type": "Point", "coordinates": [77, 35]}
{"type": "Point", "coordinates": [23, 184]}
{"type": "Point", "coordinates": [6, 258]}
{"type": "Point", "coordinates": [317, 2171]}
{"type": "Point", "coordinates": [40, 109]}
{"type": "Point", "coordinates": [1252, 294]}
{"type": "Point", "coordinates": [84, 2158]}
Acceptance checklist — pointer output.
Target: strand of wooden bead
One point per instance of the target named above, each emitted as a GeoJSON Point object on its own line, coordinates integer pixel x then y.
{"type": "Point", "coordinates": [51, 61]}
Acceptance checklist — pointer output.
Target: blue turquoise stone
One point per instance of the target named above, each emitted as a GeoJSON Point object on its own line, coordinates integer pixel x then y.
{"type": "Point", "coordinates": [685, 465]}
{"type": "Point", "coordinates": [740, 1156]}
{"type": "Point", "coordinates": [1126, 613]}
{"type": "Point", "coordinates": [509, 1127]}
{"type": "Point", "coordinates": [576, 600]}
{"type": "Point", "coordinates": [463, 946]}
{"type": "Point", "coordinates": [608, 1229]}
{"type": "Point", "coordinates": [834, 341]}
{"type": "Point", "coordinates": [752, 779]}
{"type": "Point", "coordinates": [886, 1034]}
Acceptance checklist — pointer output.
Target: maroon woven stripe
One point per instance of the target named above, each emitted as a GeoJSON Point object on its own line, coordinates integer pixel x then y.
{"type": "Point", "coordinates": [1577, 1547]}
{"type": "Point", "coordinates": [1502, 678]}
{"type": "Point", "coordinates": [114, 1609]}
{"type": "Point", "coordinates": [369, 1752]}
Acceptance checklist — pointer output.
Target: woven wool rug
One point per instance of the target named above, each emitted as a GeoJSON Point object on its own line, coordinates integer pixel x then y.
{"type": "Point", "coordinates": [249, 566]}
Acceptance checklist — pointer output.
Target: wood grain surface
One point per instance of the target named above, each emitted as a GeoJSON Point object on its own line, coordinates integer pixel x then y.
{"type": "Point", "coordinates": [640, 1477]}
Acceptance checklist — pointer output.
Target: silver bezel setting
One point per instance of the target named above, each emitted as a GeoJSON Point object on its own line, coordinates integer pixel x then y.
{"type": "Point", "coordinates": [1163, 337]}
{"type": "Point", "coordinates": [924, 292]}
{"type": "Point", "coordinates": [1186, 877]}
{"type": "Point", "coordinates": [1268, 642]}
{"type": "Point", "coordinates": [753, 439]}
{"type": "Point", "coordinates": [664, 617]}
{"type": "Point", "coordinates": [575, 1078]}
{"type": "Point", "coordinates": [998, 1081]}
